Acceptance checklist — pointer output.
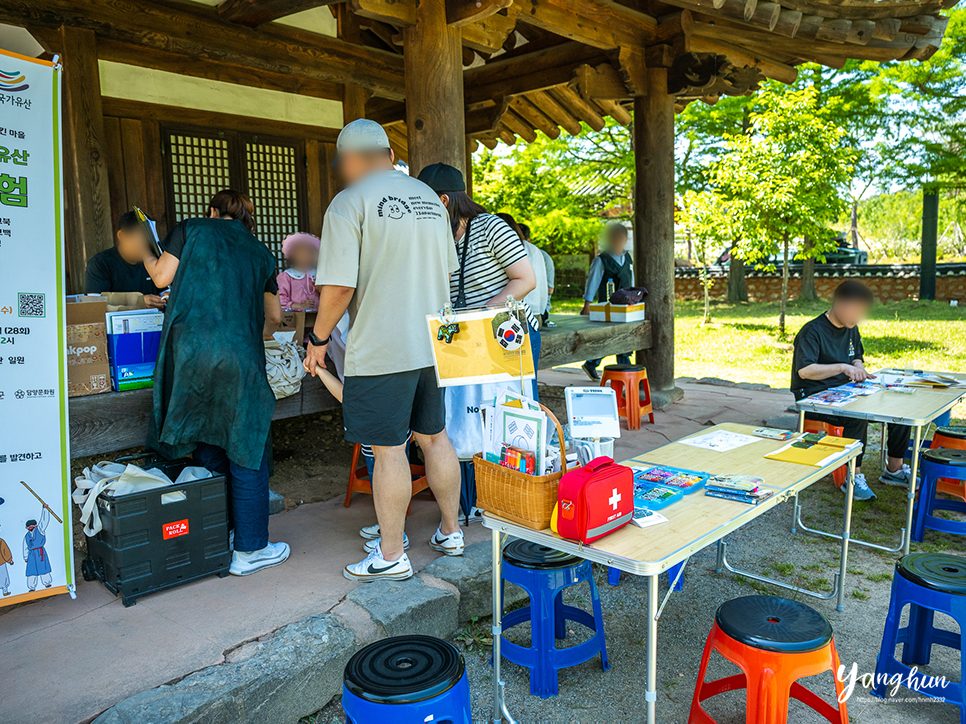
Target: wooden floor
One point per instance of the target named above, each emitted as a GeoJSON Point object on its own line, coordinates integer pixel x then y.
{"type": "Point", "coordinates": [119, 420]}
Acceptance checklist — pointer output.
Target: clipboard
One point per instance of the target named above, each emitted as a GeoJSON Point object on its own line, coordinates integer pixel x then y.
{"type": "Point", "coordinates": [152, 232]}
{"type": "Point", "coordinates": [491, 345]}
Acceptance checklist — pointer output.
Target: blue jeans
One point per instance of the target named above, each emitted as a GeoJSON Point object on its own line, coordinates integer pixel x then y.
{"type": "Point", "coordinates": [622, 359]}
{"type": "Point", "coordinates": [247, 496]}
{"type": "Point", "coordinates": [535, 348]}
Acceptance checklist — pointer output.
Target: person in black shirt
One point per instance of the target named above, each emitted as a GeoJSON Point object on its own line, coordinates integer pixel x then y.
{"type": "Point", "coordinates": [828, 353]}
{"type": "Point", "coordinates": [121, 269]}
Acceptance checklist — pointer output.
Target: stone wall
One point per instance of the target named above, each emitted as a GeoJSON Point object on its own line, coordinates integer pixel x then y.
{"type": "Point", "coordinates": [890, 284]}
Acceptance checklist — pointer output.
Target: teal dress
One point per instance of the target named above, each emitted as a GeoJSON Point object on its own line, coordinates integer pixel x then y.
{"type": "Point", "coordinates": [209, 383]}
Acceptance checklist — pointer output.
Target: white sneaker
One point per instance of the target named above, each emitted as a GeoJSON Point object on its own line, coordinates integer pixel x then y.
{"type": "Point", "coordinates": [897, 478]}
{"type": "Point", "coordinates": [370, 532]}
{"type": "Point", "coordinates": [370, 545]}
{"type": "Point", "coordinates": [375, 568]}
{"type": "Point", "coordinates": [244, 564]}
{"type": "Point", "coordinates": [475, 516]}
{"type": "Point", "coordinates": [451, 545]}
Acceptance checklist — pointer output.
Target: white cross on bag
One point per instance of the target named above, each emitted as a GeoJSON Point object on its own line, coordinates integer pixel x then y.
{"type": "Point", "coordinates": [614, 499]}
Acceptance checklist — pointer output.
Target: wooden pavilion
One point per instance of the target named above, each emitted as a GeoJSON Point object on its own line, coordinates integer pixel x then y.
{"type": "Point", "coordinates": [167, 101]}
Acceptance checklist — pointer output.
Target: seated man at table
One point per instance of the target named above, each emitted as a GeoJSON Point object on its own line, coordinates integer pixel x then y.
{"type": "Point", "coordinates": [121, 268]}
{"type": "Point", "coordinates": [828, 353]}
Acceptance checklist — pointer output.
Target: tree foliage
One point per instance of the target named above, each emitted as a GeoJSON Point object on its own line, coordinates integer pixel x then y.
{"type": "Point", "coordinates": [783, 179]}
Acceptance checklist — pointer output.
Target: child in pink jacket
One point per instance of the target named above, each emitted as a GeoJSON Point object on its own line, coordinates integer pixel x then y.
{"type": "Point", "coordinates": [296, 285]}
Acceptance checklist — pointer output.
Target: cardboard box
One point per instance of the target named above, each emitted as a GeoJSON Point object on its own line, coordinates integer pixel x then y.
{"type": "Point", "coordinates": [133, 340]}
{"type": "Point", "coordinates": [607, 312]}
{"type": "Point", "coordinates": [116, 301]}
{"type": "Point", "coordinates": [294, 321]}
{"type": "Point", "coordinates": [88, 365]}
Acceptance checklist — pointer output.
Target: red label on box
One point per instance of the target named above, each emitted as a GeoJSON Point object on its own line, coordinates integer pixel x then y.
{"type": "Point", "coordinates": [173, 530]}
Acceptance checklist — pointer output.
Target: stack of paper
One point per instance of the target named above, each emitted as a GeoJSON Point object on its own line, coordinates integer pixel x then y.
{"type": "Point", "coordinates": [815, 454]}
{"type": "Point", "coordinates": [518, 420]}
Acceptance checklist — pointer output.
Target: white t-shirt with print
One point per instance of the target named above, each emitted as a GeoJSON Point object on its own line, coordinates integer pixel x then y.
{"type": "Point", "coordinates": [388, 237]}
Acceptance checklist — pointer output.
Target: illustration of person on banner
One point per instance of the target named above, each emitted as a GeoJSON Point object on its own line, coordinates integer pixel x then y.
{"type": "Point", "coordinates": [34, 553]}
{"type": "Point", "coordinates": [6, 559]}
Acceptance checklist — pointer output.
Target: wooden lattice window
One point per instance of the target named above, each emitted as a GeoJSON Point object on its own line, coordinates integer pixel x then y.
{"type": "Point", "coordinates": [199, 167]}
{"type": "Point", "coordinates": [273, 183]}
{"type": "Point", "coordinates": [199, 163]}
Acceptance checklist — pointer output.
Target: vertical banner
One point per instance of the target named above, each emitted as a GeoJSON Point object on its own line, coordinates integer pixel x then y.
{"type": "Point", "coordinates": [36, 551]}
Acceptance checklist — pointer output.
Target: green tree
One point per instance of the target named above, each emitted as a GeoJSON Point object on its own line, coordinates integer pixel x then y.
{"type": "Point", "coordinates": [782, 181]}
{"type": "Point", "coordinates": [703, 214]}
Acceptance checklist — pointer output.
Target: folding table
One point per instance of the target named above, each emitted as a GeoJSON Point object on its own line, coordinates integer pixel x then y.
{"type": "Point", "coordinates": [890, 408]}
{"type": "Point", "coordinates": [694, 523]}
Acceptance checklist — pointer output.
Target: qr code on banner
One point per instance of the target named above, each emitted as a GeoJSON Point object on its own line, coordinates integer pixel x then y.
{"type": "Point", "coordinates": [31, 305]}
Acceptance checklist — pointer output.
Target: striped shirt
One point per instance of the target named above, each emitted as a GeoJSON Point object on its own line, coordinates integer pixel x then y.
{"type": "Point", "coordinates": [494, 246]}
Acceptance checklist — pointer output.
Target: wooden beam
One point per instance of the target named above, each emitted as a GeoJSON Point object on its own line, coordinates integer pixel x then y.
{"type": "Point", "coordinates": [520, 127]}
{"type": "Point", "coordinates": [354, 97]}
{"type": "Point", "coordinates": [490, 143]}
{"type": "Point", "coordinates": [256, 12]}
{"type": "Point", "coordinates": [522, 74]}
{"type": "Point", "coordinates": [868, 10]}
{"type": "Point", "coordinates": [465, 12]}
{"type": "Point", "coordinates": [507, 137]}
{"type": "Point", "coordinates": [489, 34]}
{"type": "Point", "coordinates": [861, 32]}
{"type": "Point", "coordinates": [486, 120]}
{"type": "Point", "coordinates": [654, 227]}
{"type": "Point", "coordinates": [556, 112]}
{"type": "Point", "coordinates": [788, 23]}
{"type": "Point", "coordinates": [834, 30]}
{"type": "Point", "coordinates": [632, 70]}
{"type": "Point", "coordinates": [887, 28]}
{"type": "Point", "coordinates": [740, 56]}
{"type": "Point", "coordinates": [202, 37]}
{"type": "Point", "coordinates": [616, 111]}
{"type": "Point", "coordinates": [435, 120]}
{"type": "Point", "coordinates": [124, 108]}
{"type": "Point", "coordinates": [534, 116]}
{"type": "Point", "coordinates": [918, 24]}
{"type": "Point", "coordinates": [600, 82]}
{"type": "Point", "coordinates": [314, 170]}
{"type": "Point", "coordinates": [598, 23]}
{"type": "Point", "coordinates": [577, 106]}
{"type": "Point", "coordinates": [88, 195]}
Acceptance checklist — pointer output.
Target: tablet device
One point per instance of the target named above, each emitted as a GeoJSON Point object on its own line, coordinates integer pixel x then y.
{"type": "Point", "coordinates": [592, 412]}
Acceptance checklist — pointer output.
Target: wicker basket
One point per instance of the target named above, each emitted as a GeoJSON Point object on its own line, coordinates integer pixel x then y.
{"type": "Point", "coordinates": [527, 500]}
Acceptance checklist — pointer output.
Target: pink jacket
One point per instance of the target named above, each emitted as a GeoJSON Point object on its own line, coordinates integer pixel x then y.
{"type": "Point", "coordinates": [295, 287]}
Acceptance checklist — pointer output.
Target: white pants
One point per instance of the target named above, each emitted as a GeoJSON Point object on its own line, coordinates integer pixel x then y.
{"type": "Point", "coordinates": [46, 579]}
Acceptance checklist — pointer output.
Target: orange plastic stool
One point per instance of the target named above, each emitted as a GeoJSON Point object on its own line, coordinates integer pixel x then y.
{"type": "Point", "coordinates": [359, 477]}
{"type": "Point", "coordinates": [624, 379]}
{"type": "Point", "coordinates": [955, 438]}
{"type": "Point", "coordinates": [838, 475]}
{"type": "Point", "coordinates": [775, 642]}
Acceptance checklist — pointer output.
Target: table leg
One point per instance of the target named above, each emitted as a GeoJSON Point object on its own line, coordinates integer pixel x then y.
{"type": "Point", "coordinates": [883, 456]}
{"type": "Point", "coordinates": [846, 531]}
{"type": "Point", "coordinates": [497, 629]}
{"type": "Point", "coordinates": [801, 428]}
{"type": "Point", "coordinates": [916, 442]}
{"type": "Point", "coordinates": [650, 695]}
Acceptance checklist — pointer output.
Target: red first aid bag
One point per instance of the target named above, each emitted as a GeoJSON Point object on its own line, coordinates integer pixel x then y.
{"type": "Point", "coordinates": [594, 501]}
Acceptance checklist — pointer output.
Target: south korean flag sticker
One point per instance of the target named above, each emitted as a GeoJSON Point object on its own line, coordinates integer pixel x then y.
{"type": "Point", "coordinates": [510, 335]}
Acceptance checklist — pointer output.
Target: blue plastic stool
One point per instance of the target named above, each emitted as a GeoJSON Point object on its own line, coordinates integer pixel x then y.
{"type": "Point", "coordinates": [614, 577]}
{"type": "Point", "coordinates": [543, 573]}
{"type": "Point", "coordinates": [927, 582]}
{"type": "Point", "coordinates": [407, 680]}
{"type": "Point", "coordinates": [942, 421]}
{"type": "Point", "coordinates": [938, 463]}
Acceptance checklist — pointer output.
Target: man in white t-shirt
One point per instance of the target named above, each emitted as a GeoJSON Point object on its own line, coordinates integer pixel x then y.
{"type": "Point", "coordinates": [386, 256]}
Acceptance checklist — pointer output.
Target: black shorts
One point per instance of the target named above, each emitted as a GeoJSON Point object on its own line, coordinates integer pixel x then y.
{"type": "Point", "coordinates": [380, 410]}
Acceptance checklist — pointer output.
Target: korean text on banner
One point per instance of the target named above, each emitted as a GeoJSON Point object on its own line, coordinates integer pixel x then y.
{"type": "Point", "coordinates": [35, 535]}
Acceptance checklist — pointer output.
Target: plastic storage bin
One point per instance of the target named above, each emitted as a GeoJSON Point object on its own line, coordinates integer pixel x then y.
{"type": "Point", "coordinates": [154, 540]}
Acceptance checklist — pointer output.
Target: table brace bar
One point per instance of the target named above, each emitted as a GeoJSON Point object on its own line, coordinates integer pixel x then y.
{"type": "Point", "coordinates": [670, 589]}
{"type": "Point", "coordinates": [724, 565]}
{"type": "Point", "coordinates": [797, 521]}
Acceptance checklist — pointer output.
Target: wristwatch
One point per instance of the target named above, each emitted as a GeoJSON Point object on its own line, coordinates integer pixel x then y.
{"type": "Point", "coordinates": [316, 342]}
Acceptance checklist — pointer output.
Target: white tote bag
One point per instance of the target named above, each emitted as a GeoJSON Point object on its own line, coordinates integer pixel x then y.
{"type": "Point", "coordinates": [463, 424]}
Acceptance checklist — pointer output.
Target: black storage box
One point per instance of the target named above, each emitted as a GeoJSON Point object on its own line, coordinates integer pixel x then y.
{"type": "Point", "coordinates": [153, 540]}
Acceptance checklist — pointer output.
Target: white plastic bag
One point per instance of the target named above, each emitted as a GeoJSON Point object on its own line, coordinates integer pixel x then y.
{"type": "Point", "coordinates": [283, 366]}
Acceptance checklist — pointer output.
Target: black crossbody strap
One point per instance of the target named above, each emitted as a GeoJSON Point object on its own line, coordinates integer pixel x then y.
{"type": "Point", "coordinates": [461, 289]}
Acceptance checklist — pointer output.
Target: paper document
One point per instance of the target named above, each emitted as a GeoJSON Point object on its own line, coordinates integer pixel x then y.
{"type": "Point", "coordinates": [720, 441]}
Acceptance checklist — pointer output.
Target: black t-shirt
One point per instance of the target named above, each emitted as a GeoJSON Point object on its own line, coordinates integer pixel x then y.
{"type": "Point", "coordinates": [108, 272]}
{"type": "Point", "coordinates": [821, 342]}
{"type": "Point", "coordinates": [174, 243]}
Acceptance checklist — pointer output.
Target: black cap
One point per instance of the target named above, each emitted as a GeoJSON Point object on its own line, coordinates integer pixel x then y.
{"type": "Point", "coordinates": [442, 178]}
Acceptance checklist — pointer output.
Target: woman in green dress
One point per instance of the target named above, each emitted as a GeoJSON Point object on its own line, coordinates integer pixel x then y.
{"type": "Point", "coordinates": [211, 394]}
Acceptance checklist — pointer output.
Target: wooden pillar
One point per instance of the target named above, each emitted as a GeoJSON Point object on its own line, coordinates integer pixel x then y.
{"type": "Point", "coordinates": [930, 233]}
{"type": "Point", "coordinates": [87, 199]}
{"type": "Point", "coordinates": [470, 147]}
{"type": "Point", "coordinates": [353, 97]}
{"type": "Point", "coordinates": [433, 61]}
{"type": "Point", "coordinates": [654, 228]}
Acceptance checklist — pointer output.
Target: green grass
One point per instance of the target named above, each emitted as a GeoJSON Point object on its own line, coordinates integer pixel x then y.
{"type": "Point", "coordinates": [741, 343]}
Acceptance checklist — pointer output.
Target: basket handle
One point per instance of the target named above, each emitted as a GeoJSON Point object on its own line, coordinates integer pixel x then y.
{"type": "Point", "coordinates": [560, 436]}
